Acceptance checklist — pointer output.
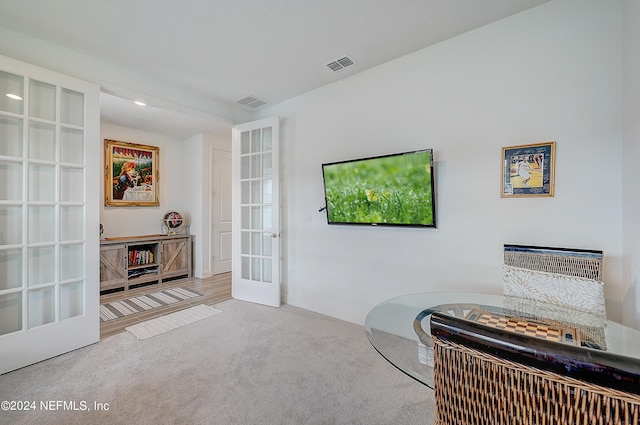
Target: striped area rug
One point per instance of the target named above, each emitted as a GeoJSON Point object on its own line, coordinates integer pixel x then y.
{"type": "Point", "coordinates": [121, 308]}
{"type": "Point", "coordinates": [172, 321]}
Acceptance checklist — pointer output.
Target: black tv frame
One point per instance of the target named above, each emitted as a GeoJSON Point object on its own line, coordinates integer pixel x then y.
{"type": "Point", "coordinates": [415, 225]}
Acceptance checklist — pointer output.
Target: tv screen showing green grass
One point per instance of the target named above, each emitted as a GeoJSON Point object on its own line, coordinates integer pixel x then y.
{"type": "Point", "coordinates": [393, 190]}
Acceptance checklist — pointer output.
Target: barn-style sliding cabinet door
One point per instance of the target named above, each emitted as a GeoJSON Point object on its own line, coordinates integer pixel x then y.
{"type": "Point", "coordinates": [49, 214]}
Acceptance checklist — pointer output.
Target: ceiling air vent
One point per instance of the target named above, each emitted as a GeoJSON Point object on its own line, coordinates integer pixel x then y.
{"type": "Point", "coordinates": [251, 102]}
{"type": "Point", "coordinates": [341, 63]}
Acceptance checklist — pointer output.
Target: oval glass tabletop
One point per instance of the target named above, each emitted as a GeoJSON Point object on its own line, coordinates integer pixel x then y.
{"type": "Point", "coordinates": [399, 329]}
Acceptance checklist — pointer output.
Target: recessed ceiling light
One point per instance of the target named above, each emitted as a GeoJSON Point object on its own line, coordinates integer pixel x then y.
{"type": "Point", "coordinates": [13, 96]}
{"type": "Point", "coordinates": [139, 103]}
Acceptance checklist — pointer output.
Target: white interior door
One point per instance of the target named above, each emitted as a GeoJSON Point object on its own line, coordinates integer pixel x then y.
{"type": "Point", "coordinates": [221, 239]}
{"type": "Point", "coordinates": [256, 230]}
{"type": "Point", "coordinates": [49, 214]}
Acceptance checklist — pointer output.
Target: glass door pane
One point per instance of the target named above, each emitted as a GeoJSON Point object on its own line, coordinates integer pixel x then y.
{"type": "Point", "coordinates": [10, 225]}
{"type": "Point", "coordinates": [10, 313]}
{"type": "Point", "coordinates": [71, 149]}
{"type": "Point", "coordinates": [41, 265]}
{"type": "Point", "coordinates": [71, 262]}
{"type": "Point", "coordinates": [13, 87]}
{"type": "Point", "coordinates": [11, 137]}
{"type": "Point", "coordinates": [72, 107]}
{"type": "Point", "coordinates": [42, 182]}
{"type": "Point", "coordinates": [10, 181]}
{"type": "Point", "coordinates": [10, 269]}
{"type": "Point", "coordinates": [71, 300]}
{"type": "Point", "coordinates": [71, 223]}
{"type": "Point", "coordinates": [42, 224]}
{"type": "Point", "coordinates": [42, 141]}
{"type": "Point", "coordinates": [41, 306]}
{"type": "Point", "coordinates": [71, 184]}
{"type": "Point", "coordinates": [255, 174]}
{"type": "Point", "coordinates": [42, 100]}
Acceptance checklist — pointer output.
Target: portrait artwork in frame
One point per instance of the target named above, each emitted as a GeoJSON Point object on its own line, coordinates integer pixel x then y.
{"type": "Point", "coordinates": [528, 170]}
{"type": "Point", "coordinates": [131, 174]}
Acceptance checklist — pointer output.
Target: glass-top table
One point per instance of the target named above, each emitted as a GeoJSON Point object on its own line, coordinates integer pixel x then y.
{"type": "Point", "coordinates": [393, 327]}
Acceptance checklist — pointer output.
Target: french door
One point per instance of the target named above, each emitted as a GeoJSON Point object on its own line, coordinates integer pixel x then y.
{"type": "Point", "coordinates": [49, 214]}
{"type": "Point", "coordinates": [256, 234]}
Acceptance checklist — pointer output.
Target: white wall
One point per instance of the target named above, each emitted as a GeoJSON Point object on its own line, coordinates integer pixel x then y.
{"type": "Point", "coordinates": [631, 154]}
{"type": "Point", "coordinates": [550, 73]}
{"type": "Point", "coordinates": [130, 221]}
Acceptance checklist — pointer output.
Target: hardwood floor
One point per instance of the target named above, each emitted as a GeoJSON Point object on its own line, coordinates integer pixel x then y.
{"type": "Point", "coordinates": [215, 289]}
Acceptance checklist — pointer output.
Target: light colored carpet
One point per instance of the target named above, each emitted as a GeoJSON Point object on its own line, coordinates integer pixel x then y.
{"type": "Point", "coordinates": [252, 365]}
{"type": "Point", "coordinates": [121, 308]}
{"type": "Point", "coordinates": [172, 321]}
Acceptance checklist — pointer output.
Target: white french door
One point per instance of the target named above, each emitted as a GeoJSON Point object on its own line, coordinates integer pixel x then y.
{"type": "Point", "coordinates": [49, 214]}
{"type": "Point", "coordinates": [256, 234]}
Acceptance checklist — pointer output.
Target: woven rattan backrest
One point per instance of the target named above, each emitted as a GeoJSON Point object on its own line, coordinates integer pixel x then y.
{"type": "Point", "coordinates": [484, 376]}
{"type": "Point", "coordinates": [570, 262]}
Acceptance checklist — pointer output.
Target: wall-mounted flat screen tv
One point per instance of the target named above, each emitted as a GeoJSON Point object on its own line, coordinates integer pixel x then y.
{"type": "Point", "coordinates": [389, 190]}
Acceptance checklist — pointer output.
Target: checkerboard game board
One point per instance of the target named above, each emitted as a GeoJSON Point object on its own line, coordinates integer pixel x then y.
{"type": "Point", "coordinates": [525, 327]}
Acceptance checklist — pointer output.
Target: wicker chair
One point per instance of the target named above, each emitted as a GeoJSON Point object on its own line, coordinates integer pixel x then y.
{"type": "Point", "coordinates": [487, 376]}
{"type": "Point", "coordinates": [561, 276]}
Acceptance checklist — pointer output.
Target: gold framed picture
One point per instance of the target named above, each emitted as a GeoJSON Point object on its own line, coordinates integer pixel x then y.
{"type": "Point", "coordinates": [528, 170]}
{"type": "Point", "coordinates": [131, 174]}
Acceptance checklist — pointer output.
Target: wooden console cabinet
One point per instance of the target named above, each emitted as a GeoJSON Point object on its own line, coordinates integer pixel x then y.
{"type": "Point", "coordinates": [129, 262]}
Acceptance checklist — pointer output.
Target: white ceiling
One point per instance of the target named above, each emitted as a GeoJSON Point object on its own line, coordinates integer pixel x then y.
{"type": "Point", "coordinates": [228, 49]}
{"type": "Point", "coordinates": [160, 120]}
